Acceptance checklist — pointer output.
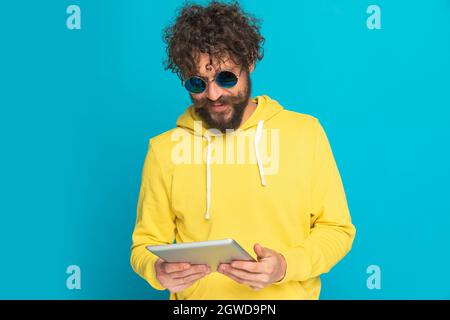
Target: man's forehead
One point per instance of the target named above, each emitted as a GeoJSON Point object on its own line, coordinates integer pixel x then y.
{"type": "Point", "coordinates": [207, 66]}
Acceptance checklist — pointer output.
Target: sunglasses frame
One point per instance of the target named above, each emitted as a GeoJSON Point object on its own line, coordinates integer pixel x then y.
{"type": "Point", "coordinates": [207, 82]}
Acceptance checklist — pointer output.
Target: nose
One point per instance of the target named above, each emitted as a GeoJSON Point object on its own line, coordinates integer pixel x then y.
{"type": "Point", "coordinates": [213, 91]}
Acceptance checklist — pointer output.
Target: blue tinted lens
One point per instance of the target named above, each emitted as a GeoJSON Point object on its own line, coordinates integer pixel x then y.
{"type": "Point", "coordinates": [226, 79]}
{"type": "Point", "coordinates": [195, 85]}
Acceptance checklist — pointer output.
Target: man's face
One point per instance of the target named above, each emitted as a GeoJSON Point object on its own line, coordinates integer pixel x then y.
{"type": "Point", "coordinates": [221, 108]}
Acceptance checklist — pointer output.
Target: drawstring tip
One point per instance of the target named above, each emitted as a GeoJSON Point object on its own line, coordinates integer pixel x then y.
{"type": "Point", "coordinates": [263, 181]}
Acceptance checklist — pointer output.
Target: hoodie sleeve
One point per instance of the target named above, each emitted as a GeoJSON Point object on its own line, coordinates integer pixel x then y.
{"type": "Point", "coordinates": [332, 231]}
{"type": "Point", "coordinates": [155, 220]}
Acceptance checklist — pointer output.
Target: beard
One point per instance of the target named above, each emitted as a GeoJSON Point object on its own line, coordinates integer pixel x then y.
{"type": "Point", "coordinates": [230, 118]}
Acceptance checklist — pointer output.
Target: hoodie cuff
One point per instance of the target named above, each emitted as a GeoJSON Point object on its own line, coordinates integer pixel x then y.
{"type": "Point", "coordinates": [298, 265]}
{"type": "Point", "coordinates": [150, 272]}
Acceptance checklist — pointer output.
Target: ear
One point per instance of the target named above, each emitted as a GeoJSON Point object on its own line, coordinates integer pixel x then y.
{"type": "Point", "coordinates": [251, 68]}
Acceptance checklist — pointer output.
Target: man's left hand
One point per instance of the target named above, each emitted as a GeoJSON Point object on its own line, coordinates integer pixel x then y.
{"type": "Point", "coordinates": [270, 268]}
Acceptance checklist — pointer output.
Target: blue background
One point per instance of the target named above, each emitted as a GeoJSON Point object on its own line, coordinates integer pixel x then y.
{"type": "Point", "coordinates": [77, 108]}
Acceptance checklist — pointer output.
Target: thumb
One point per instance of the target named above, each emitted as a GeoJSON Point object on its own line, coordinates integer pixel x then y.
{"type": "Point", "coordinates": [261, 252]}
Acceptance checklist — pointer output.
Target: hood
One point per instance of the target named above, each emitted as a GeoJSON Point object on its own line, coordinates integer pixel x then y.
{"type": "Point", "coordinates": [266, 109]}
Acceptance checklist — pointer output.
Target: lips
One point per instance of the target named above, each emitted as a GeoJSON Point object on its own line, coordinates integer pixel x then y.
{"type": "Point", "coordinates": [218, 106]}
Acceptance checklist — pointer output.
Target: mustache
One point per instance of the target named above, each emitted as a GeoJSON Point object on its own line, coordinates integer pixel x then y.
{"type": "Point", "coordinates": [205, 102]}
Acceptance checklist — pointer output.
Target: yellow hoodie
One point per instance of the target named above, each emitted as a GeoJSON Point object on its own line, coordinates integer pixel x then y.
{"type": "Point", "coordinates": [272, 181]}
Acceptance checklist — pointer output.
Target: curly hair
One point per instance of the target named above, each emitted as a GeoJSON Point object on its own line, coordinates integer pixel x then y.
{"type": "Point", "coordinates": [221, 30]}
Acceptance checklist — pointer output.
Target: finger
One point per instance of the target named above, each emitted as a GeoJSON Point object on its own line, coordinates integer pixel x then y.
{"type": "Point", "coordinates": [195, 269]}
{"type": "Point", "coordinates": [171, 282]}
{"type": "Point", "coordinates": [181, 287]}
{"type": "Point", "coordinates": [244, 282]}
{"type": "Point", "coordinates": [254, 267]}
{"type": "Point", "coordinates": [261, 251]}
{"type": "Point", "coordinates": [248, 276]}
{"type": "Point", "coordinates": [159, 264]}
{"type": "Point", "coordinates": [192, 277]}
{"type": "Point", "coordinates": [169, 267]}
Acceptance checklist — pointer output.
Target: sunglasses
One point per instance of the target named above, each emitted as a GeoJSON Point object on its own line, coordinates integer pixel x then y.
{"type": "Point", "coordinates": [224, 79]}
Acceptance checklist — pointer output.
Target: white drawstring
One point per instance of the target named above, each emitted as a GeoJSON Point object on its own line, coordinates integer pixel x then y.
{"type": "Point", "coordinates": [208, 176]}
{"type": "Point", "coordinates": [258, 156]}
{"type": "Point", "coordinates": [208, 165]}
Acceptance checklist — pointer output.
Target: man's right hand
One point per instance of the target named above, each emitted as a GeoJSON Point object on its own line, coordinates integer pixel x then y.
{"type": "Point", "coordinates": [179, 276]}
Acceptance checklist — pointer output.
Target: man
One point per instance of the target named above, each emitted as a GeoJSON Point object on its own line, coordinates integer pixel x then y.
{"type": "Point", "coordinates": [237, 167]}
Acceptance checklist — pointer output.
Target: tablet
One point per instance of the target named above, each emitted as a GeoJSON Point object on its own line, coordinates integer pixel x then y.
{"type": "Point", "coordinates": [211, 252]}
